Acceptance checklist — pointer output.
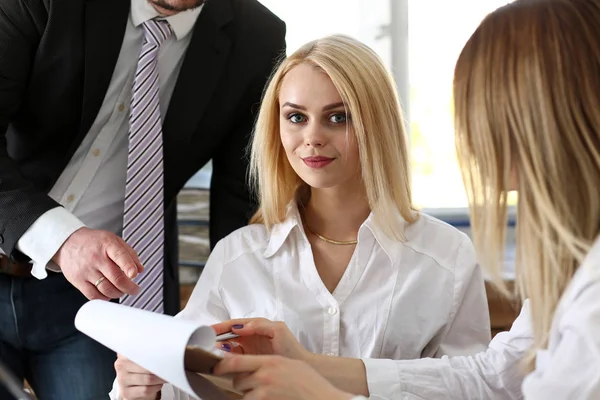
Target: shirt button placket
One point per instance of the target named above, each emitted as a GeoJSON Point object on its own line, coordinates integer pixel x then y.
{"type": "Point", "coordinates": [332, 316]}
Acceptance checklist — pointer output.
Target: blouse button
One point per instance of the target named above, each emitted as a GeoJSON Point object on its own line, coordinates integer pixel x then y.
{"type": "Point", "coordinates": [332, 310]}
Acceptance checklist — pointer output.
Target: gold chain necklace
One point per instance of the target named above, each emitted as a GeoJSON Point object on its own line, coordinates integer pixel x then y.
{"type": "Point", "coordinates": [323, 238]}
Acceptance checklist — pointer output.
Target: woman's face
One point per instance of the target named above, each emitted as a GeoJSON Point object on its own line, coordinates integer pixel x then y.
{"type": "Point", "coordinates": [315, 129]}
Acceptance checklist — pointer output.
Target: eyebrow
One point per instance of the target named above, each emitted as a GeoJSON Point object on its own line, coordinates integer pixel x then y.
{"type": "Point", "coordinates": [325, 108]}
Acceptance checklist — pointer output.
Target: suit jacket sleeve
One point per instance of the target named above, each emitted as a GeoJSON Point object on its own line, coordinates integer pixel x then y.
{"type": "Point", "coordinates": [21, 25]}
{"type": "Point", "coordinates": [231, 200]}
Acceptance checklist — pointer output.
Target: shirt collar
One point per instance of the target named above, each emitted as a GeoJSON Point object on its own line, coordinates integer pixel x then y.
{"type": "Point", "coordinates": [390, 245]}
{"type": "Point", "coordinates": [281, 231]}
{"type": "Point", "coordinates": [181, 23]}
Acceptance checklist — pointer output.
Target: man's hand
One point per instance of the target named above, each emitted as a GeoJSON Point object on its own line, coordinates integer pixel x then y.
{"type": "Point", "coordinates": [89, 256]}
{"type": "Point", "coordinates": [136, 383]}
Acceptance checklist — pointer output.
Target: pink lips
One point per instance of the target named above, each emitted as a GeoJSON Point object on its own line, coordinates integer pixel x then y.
{"type": "Point", "coordinates": [317, 161]}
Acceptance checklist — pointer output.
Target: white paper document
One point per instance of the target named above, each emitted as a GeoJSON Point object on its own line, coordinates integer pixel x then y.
{"type": "Point", "coordinates": [178, 351]}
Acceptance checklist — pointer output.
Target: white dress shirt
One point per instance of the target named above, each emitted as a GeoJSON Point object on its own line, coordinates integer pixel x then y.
{"type": "Point", "coordinates": [568, 369]}
{"type": "Point", "coordinates": [421, 298]}
{"type": "Point", "coordinates": [92, 187]}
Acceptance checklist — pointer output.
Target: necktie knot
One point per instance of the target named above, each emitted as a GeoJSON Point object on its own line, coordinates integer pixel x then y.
{"type": "Point", "coordinates": [157, 31]}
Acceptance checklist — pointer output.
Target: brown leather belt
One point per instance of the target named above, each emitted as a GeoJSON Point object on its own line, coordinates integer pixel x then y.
{"type": "Point", "coordinates": [13, 268]}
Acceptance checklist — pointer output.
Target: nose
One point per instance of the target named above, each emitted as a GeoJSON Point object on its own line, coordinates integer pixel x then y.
{"type": "Point", "coordinates": [313, 136]}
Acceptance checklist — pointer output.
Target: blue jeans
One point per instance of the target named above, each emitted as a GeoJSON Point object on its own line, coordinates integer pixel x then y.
{"type": "Point", "coordinates": [39, 342]}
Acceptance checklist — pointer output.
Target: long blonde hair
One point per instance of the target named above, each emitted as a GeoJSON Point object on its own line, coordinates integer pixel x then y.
{"type": "Point", "coordinates": [369, 95]}
{"type": "Point", "coordinates": [527, 101]}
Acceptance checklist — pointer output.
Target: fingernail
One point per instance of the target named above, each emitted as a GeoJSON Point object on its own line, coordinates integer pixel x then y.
{"type": "Point", "coordinates": [226, 347]}
{"type": "Point", "coordinates": [237, 326]}
{"type": "Point", "coordinates": [131, 273]}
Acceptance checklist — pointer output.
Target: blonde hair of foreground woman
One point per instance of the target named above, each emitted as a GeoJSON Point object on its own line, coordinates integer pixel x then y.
{"type": "Point", "coordinates": [369, 95]}
{"type": "Point", "coordinates": [527, 101]}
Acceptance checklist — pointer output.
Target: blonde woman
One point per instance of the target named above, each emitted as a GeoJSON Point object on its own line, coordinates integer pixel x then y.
{"type": "Point", "coordinates": [527, 100]}
{"type": "Point", "coordinates": [337, 253]}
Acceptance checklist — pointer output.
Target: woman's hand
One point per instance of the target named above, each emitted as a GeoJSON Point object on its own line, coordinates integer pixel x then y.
{"type": "Point", "coordinates": [136, 383]}
{"type": "Point", "coordinates": [261, 336]}
{"type": "Point", "coordinates": [276, 377]}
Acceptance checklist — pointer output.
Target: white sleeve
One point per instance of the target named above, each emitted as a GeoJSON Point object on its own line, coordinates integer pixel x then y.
{"type": "Point", "coordinates": [469, 331]}
{"type": "Point", "coordinates": [45, 236]}
{"type": "Point", "coordinates": [205, 307]}
{"type": "Point", "coordinates": [168, 392]}
{"type": "Point", "coordinates": [571, 368]}
{"type": "Point", "coordinates": [492, 374]}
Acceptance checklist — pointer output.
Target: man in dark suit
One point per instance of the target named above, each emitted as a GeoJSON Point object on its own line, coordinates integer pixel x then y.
{"type": "Point", "coordinates": [107, 108]}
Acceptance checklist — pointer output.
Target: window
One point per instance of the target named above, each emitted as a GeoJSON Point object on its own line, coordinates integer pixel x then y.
{"type": "Point", "coordinates": [436, 36]}
{"type": "Point", "coordinates": [306, 20]}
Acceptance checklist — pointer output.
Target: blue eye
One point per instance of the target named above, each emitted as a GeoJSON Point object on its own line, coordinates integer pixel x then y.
{"type": "Point", "coordinates": [296, 118]}
{"type": "Point", "coordinates": [338, 118]}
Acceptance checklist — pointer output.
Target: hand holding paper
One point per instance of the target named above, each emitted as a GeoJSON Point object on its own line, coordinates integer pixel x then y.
{"type": "Point", "coordinates": [175, 350]}
{"type": "Point", "coordinates": [135, 382]}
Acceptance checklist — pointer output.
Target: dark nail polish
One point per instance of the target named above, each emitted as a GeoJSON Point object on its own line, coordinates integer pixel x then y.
{"type": "Point", "coordinates": [237, 326]}
{"type": "Point", "coordinates": [226, 347]}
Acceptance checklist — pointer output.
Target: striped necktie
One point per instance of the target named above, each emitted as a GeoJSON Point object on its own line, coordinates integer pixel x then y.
{"type": "Point", "coordinates": [143, 225]}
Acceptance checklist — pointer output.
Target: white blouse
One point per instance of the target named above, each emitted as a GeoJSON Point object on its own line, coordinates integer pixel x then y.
{"type": "Point", "coordinates": [424, 297]}
{"type": "Point", "coordinates": [568, 369]}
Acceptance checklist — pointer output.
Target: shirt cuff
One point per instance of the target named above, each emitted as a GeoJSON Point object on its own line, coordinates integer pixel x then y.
{"type": "Point", "coordinates": [167, 392]}
{"type": "Point", "coordinates": [114, 393]}
{"type": "Point", "coordinates": [382, 378]}
{"type": "Point", "coordinates": [45, 236]}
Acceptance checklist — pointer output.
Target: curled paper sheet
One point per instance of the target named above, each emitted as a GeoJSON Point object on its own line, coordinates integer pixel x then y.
{"type": "Point", "coordinates": [178, 351]}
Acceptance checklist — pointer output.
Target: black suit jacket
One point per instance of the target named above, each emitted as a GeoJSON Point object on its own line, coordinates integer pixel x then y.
{"type": "Point", "coordinates": [56, 61]}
